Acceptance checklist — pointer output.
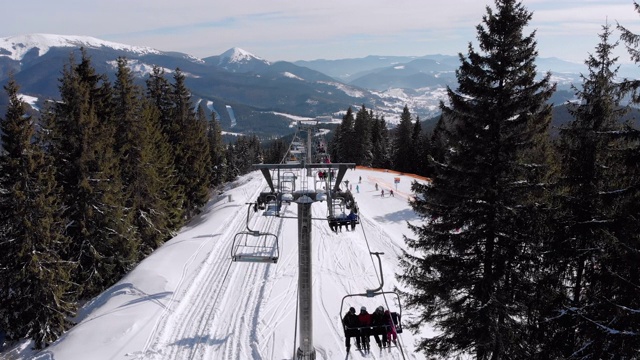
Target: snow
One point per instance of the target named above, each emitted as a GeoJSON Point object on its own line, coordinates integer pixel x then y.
{"type": "Point", "coordinates": [399, 67]}
{"type": "Point", "coordinates": [31, 100]}
{"type": "Point", "coordinates": [188, 300]}
{"type": "Point", "coordinates": [237, 55]}
{"type": "Point", "coordinates": [15, 47]}
{"type": "Point", "coordinates": [292, 76]}
{"type": "Point", "coordinates": [143, 70]}
{"type": "Point", "coordinates": [353, 92]}
{"type": "Point", "coordinates": [290, 116]}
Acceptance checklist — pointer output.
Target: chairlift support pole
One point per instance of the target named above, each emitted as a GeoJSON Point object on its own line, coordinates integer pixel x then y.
{"type": "Point", "coordinates": [305, 289]}
{"type": "Point", "coordinates": [304, 199]}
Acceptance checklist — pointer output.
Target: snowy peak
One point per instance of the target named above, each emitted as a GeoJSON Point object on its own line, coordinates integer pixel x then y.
{"type": "Point", "coordinates": [239, 56]}
{"type": "Point", "coordinates": [15, 47]}
{"type": "Point", "coordinates": [238, 60]}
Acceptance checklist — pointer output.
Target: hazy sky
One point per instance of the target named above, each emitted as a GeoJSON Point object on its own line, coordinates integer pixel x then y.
{"type": "Point", "coordinates": [314, 29]}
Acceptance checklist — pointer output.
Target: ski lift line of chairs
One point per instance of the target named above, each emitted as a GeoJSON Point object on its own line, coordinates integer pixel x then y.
{"type": "Point", "coordinates": [382, 329]}
{"type": "Point", "coordinates": [254, 246]}
{"type": "Point", "coordinates": [337, 212]}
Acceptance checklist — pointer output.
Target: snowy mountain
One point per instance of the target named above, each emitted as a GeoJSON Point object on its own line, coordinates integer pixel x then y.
{"type": "Point", "coordinates": [17, 47]}
{"type": "Point", "coordinates": [257, 90]}
{"type": "Point", "coordinates": [188, 300]}
{"type": "Point", "coordinates": [238, 60]}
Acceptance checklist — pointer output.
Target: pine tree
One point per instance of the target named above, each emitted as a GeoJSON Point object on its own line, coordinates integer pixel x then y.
{"type": "Point", "coordinates": [418, 145]}
{"type": "Point", "coordinates": [595, 254]}
{"type": "Point", "coordinates": [275, 152]}
{"type": "Point", "coordinates": [81, 137]}
{"type": "Point", "coordinates": [343, 148]}
{"type": "Point", "coordinates": [403, 151]}
{"type": "Point", "coordinates": [216, 149]}
{"type": "Point", "coordinates": [34, 278]}
{"type": "Point", "coordinates": [473, 267]}
{"type": "Point", "coordinates": [145, 162]}
{"type": "Point", "coordinates": [362, 137]}
{"type": "Point", "coordinates": [188, 136]}
{"type": "Point", "coordinates": [159, 94]}
{"type": "Point", "coordinates": [380, 144]}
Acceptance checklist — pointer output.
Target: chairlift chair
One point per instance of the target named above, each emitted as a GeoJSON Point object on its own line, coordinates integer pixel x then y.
{"type": "Point", "coordinates": [254, 246]}
{"type": "Point", "coordinates": [396, 316]}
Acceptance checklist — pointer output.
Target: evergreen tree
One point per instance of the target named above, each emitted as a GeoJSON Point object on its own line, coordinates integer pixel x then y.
{"type": "Point", "coordinates": [362, 137]}
{"type": "Point", "coordinates": [595, 253]}
{"type": "Point", "coordinates": [275, 152]}
{"type": "Point", "coordinates": [159, 94]}
{"type": "Point", "coordinates": [473, 269]}
{"type": "Point", "coordinates": [81, 141]}
{"type": "Point", "coordinates": [403, 150]}
{"type": "Point", "coordinates": [343, 149]}
{"type": "Point", "coordinates": [216, 151]}
{"type": "Point", "coordinates": [380, 144]}
{"type": "Point", "coordinates": [34, 278]}
{"type": "Point", "coordinates": [188, 136]}
{"type": "Point", "coordinates": [145, 162]}
{"type": "Point", "coordinates": [418, 143]}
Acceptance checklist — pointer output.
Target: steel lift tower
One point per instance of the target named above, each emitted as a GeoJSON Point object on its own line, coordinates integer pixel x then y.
{"type": "Point", "coordinates": [304, 198]}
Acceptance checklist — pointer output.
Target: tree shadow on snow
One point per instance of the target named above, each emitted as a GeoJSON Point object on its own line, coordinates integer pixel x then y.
{"type": "Point", "coordinates": [198, 340]}
{"type": "Point", "coordinates": [402, 215]}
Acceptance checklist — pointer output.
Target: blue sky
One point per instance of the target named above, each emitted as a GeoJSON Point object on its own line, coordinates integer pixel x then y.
{"type": "Point", "coordinates": [321, 29]}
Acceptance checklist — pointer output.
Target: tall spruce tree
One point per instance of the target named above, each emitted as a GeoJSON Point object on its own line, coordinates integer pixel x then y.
{"type": "Point", "coordinates": [216, 149]}
{"type": "Point", "coordinates": [362, 137]}
{"type": "Point", "coordinates": [472, 268]}
{"type": "Point", "coordinates": [145, 162]}
{"type": "Point", "coordinates": [159, 94]}
{"type": "Point", "coordinates": [403, 151]}
{"type": "Point", "coordinates": [418, 143]}
{"type": "Point", "coordinates": [596, 251]}
{"type": "Point", "coordinates": [380, 143]}
{"type": "Point", "coordinates": [81, 139]}
{"type": "Point", "coordinates": [188, 136]}
{"type": "Point", "coordinates": [343, 147]}
{"type": "Point", "coordinates": [34, 278]}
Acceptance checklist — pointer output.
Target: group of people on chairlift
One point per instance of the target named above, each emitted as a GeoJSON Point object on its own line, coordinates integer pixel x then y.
{"type": "Point", "coordinates": [381, 325]}
{"type": "Point", "coordinates": [345, 220]}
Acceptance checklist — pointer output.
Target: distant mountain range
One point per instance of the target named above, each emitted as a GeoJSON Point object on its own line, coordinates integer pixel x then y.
{"type": "Point", "coordinates": [263, 97]}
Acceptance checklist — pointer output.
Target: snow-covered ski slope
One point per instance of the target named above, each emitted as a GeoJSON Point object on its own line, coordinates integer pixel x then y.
{"type": "Point", "coordinates": [188, 300]}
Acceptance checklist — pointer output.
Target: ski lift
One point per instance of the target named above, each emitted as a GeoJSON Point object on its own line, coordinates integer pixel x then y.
{"type": "Point", "coordinates": [396, 316]}
{"type": "Point", "coordinates": [337, 215]}
{"type": "Point", "coordinates": [287, 185]}
{"type": "Point", "coordinates": [272, 206]}
{"type": "Point", "coordinates": [254, 246]}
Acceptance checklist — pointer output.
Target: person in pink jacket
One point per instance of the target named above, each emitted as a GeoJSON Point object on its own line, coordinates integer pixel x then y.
{"type": "Point", "coordinates": [392, 335]}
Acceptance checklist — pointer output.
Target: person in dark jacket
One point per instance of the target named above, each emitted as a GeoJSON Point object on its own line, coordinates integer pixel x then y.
{"type": "Point", "coordinates": [350, 323]}
{"type": "Point", "coordinates": [364, 318]}
{"type": "Point", "coordinates": [379, 327]}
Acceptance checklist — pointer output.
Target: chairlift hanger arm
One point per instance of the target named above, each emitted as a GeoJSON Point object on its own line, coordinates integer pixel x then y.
{"type": "Point", "coordinates": [342, 169]}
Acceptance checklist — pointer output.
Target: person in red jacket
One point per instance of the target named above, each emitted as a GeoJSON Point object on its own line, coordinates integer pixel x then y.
{"type": "Point", "coordinates": [364, 318]}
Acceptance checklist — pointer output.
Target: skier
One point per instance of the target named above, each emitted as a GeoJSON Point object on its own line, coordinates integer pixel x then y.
{"type": "Point", "coordinates": [392, 335]}
{"type": "Point", "coordinates": [360, 179]}
{"type": "Point", "coordinates": [350, 323]}
{"type": "Point", "coordinates": [382, 193]}
{"type": "Point", "coordinates": [376, 186]}
{"type": "Point", "coordinates": [364, 319]}
{"type": "Point", "coordinates": [379, 327]}
{"type": "Point", "coordinates": [358, 188]}
{"type": "Point", "coordinates": [391, 192]}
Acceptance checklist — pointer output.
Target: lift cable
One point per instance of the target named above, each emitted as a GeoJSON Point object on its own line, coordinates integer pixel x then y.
{"type": "Point", "coordinates": [380, 279]}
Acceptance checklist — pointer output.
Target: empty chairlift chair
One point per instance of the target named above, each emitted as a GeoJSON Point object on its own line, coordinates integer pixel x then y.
{"type": "Point", "coordinates": [255, 246]}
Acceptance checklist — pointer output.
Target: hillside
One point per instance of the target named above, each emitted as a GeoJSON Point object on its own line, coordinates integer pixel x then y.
{"type": "Point", "coordinates": [188, 300]}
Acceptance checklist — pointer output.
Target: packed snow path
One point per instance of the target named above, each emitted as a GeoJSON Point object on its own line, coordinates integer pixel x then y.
{"type": "Point", "coordinates": [189, 301]}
